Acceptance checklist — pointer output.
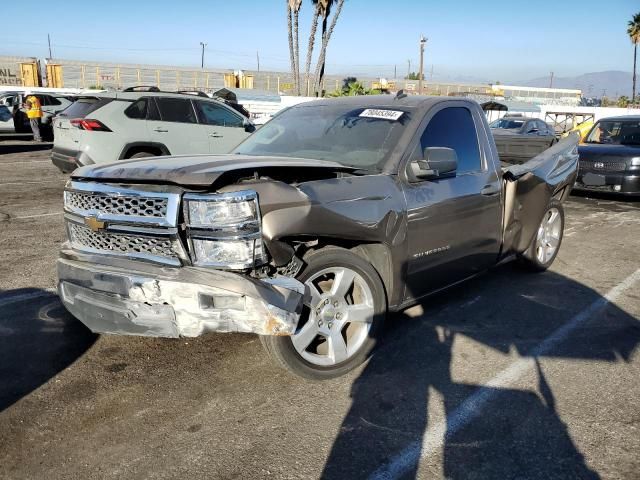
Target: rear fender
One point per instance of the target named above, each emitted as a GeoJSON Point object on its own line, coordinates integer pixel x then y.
{"type": "Point", "coordinates": [530, 187]}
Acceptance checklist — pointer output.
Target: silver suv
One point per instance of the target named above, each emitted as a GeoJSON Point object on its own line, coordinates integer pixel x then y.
{"type": "Point", "coordinates": [110, 127]}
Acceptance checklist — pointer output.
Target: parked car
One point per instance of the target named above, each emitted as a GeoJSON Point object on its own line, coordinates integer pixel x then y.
{"type": "Point", "coordinates": [333, 213]}
{"type": "Point", "coordinates": [135, 124]}
{"type": "Point", "coordinates": [610, 157]}
{"type": "Point", "coordinates": [52, 104]}
{"type": "Point", "coordinates": [6, 119]}
{"type": "Point", "coordinates": [519, 138]}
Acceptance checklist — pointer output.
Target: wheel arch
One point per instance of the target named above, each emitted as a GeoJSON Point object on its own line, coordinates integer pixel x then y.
{"type": "Point", "coordinates": [136, 147]}
{"type": "Point", "coordinates": [377, 254]}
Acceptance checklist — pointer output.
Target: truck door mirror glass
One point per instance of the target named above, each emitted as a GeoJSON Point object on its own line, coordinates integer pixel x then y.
{"type": "Point", "coordinates": [438, 162]}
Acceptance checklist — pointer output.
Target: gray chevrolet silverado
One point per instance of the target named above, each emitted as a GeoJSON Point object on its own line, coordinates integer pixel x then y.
{"type": "Point", "coordinates": [332, 214]}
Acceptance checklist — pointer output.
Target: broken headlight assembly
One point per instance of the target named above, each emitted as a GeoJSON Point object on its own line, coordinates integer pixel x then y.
{"type": "Point", "coordinates": [224, 230]}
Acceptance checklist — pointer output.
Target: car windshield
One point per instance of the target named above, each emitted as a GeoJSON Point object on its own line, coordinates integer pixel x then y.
{"type": "Point", "coordinates": [615, 132]}
{"type": "Point", "coordinates": [506, 123]}
{"type": "Point", "coordinates": [357, 137]}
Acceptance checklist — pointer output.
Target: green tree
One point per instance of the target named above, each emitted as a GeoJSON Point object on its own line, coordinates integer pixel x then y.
{"type": "Point", "coordinates": [351, 87]}
{"type": "Point", "coordinates": [633, 30]}
{"type": "Point", "coordinates": [414, 76]}
{"type": "Point", "coordinates": [623, 101]}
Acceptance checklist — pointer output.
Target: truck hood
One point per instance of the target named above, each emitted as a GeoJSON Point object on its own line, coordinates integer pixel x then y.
{"type": "Point", "coordinates": [597, 152]}
{"type": "Point", "coordinates": [194, 170]}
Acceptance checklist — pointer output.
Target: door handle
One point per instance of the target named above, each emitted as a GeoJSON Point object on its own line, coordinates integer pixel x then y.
{"type": "Point", "coordinates": [215, 135]}
{"type": "Point", "coordinates": [491, 189]}
{"type": "Point", "coordinates": [160, 129]}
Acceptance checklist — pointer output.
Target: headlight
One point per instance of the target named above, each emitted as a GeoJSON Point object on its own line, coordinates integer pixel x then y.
{"type": "Point", "coordinates": [227, 253]}
{"type": "Point", "coordinates": [224, 230]}
{"type": "Point", "coordinates": [635, 162]}
{"type": "Point", "coordinates": [221, 213]}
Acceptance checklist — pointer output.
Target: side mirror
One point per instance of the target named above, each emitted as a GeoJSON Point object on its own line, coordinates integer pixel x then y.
{"type": "Point", "coordinates": [248, 126]}
{"type": "Point", "coordinates": [438, 162]}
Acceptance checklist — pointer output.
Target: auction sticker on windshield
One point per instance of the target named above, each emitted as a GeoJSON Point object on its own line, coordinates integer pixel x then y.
{"type": "Point", "coordinates": [383, 114]}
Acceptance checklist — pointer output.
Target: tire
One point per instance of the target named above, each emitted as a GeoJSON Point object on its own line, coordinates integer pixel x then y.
{"type": "Point", "coordinates": [142, 155]}
{"type": "Point", "coordinates": [325, 320]}
{"type": "Point", "coordinates": [546, 243]}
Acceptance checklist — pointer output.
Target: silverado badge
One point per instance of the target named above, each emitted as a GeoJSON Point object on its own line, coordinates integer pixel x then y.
{"type": "Point", "coordinates": [94, 224]}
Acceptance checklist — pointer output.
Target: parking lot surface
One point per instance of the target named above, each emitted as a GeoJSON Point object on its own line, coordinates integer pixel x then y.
{"type": "Point", "coordinates": [510, 375]}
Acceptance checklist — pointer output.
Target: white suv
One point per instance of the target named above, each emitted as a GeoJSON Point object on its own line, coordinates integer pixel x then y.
{"type": "Point", "coordinates": [111, 127]}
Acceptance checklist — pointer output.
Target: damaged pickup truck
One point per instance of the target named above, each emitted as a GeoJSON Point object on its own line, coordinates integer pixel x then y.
{"type": "Point", "coordinates": [328, 217]}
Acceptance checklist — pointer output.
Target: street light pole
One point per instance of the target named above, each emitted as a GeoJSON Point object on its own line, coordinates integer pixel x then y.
{"type": "Point", "coordinates": [423, 41]}
{"type": "Point", "coordinates": [202, 62]}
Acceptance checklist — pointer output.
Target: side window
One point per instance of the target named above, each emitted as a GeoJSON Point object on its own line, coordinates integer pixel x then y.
{"type": "Point", "coordinates": [176, 110]}
{"type": "Point", "coordinates": [137, 110]}
{"type": "Point", "coordinates": [52, 101]}
{"type": "Point", "coordinates": [154, 113]}
{"type": "Point", "coordinates": [212, 114]}
{"type": "Point", "coordinates": [453, 128]}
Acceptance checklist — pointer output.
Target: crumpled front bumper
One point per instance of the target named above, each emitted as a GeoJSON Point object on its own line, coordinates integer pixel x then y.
{"type": "Point", "coordinates": [136, 298]}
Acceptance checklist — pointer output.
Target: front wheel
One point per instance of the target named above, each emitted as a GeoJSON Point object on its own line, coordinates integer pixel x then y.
{"type": "Point", "coordinates": [545, 245]}
{"type": "Point", "coordinates": [338, 327]}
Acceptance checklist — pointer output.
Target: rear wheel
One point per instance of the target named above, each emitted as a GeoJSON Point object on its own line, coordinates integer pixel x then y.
{"type": "Point", "coordinates": [338, 327]}
{"type": "Point", "coordinates": [546, 243]}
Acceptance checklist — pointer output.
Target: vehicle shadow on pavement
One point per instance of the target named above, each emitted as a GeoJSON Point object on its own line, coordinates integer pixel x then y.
{"type": "Point", "coordinates": [24, 147]}
{"type": "Point", "coordinates": [38, 339]}
{"type": "Point", "coordinates": [491, 432]}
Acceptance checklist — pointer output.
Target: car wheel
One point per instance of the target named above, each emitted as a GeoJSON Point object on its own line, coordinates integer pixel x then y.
{"type": "Point", "coordinates": [546, 243]}
{"type": "Point", "coordinates": [339, 326]}
{"type": "Point", "coordinates": [142, 155]}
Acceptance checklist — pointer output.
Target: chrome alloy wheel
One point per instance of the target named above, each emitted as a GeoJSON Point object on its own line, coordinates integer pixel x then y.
{"type": "Point", "coordinates": [340, 314]}
{"type": "Point", "coordinates": [548, 237]}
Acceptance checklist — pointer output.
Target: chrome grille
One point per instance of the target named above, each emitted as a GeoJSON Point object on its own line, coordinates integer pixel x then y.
{"type": "Point", "coordinates": [138, 206]}
{"type": "Point", "coordinates": [603, 165]}
{"type": "Point", "coordinates": [83, 238]}
{"type": "Point", "coordinates": [122, 204]}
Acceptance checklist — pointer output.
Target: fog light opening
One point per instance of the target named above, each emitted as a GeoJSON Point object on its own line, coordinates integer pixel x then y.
{"type": "Point", "coordinates": [222, 302]}
{"type": "Point", "coordinates": [617, 188]}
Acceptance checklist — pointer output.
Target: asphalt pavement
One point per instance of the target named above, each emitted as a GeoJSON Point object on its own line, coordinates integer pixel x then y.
{"type": "Point", "coordinates": [510, 375]}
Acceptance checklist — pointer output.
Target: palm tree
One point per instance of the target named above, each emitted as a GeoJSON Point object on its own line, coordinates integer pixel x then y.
{"type": "Point", "coordinates": [634, 34]}
{"type": "Point", "coordinates": [326, 36]}
{"type": "Point", "coordinates": [312, 38]}
{"type": "Point", "coordinates": [293, 10]}
{"type": "Point", "coordinates": [291, 50]}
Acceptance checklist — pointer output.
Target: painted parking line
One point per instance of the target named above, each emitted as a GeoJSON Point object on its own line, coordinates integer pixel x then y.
{"type": "Point", "coordinates": [25, 162]}
{"type": "Point", "coordinates": [36, 216]}
{"type": "Point", "coordinates": [23, 297]}
{"type": "Point", "coordinates": [32, 183]}
{"type": "Point", "coordinates": [434, 437]}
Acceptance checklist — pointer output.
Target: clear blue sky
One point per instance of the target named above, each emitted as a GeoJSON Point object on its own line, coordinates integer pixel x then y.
{"type": "Point", "coordinates": [492, 40]}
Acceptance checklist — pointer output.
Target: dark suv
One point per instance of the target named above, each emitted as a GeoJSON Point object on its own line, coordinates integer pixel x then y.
{"type": "Point", "coordinates": [610, 157]}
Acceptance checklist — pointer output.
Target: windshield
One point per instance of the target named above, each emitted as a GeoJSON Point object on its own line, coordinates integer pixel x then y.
{"type": "Point", "coordinates": [615, 132]}
{"type": "Point", "coordinates": [356, 137]}
{"type": "Point", "coordinates": [506, 123]}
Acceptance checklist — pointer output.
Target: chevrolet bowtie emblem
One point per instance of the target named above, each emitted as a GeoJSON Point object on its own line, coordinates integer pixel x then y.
{"type": "Point", "coordinates": [94, 224]}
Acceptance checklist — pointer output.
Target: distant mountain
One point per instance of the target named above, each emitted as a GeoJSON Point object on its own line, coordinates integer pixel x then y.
{"type": "Point", "coordinates": [614, 83]}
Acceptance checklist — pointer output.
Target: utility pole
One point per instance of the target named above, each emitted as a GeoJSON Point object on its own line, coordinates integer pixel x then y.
{"type": "Point", "coordinates": [395, 72]}
{"type": "Point", "coordinates": [409, 70]}
{"type": "Point", "coordinates": [49, 41]}
{"type": "Point", "coordinates": [258, 58]}
{"type": "Point", "coordinates": [202, 62]}
{"type": "Point", "coordinates": [423, 41]}
{"type": "Point", "coordinates": [551, 81]}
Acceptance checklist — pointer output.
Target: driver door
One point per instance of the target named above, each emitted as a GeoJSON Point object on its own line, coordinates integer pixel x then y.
{"type": "Point", "coordinates": [454, 223]}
